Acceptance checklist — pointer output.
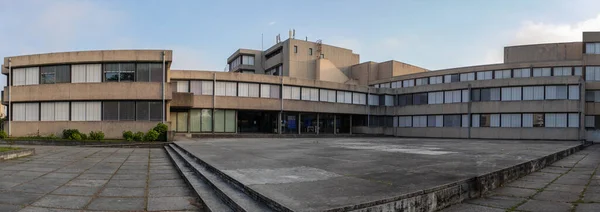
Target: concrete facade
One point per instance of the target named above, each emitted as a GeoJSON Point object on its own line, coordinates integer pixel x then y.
{"type": "Point", "coordinates": [317, 93]}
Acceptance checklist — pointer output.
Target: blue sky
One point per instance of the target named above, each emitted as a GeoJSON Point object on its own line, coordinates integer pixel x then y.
{"type": "Point", "coordinates": [430, 34]}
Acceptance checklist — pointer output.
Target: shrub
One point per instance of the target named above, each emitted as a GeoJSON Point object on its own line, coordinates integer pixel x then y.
{"type": "Point", "coordinates": [138, 136]}
{"type": "Point", "coordinates": [83, 136]}
{"type": "Point", "coordinates": [128, 135]}
{"type": "Point", "coordinates": [68, 133]}
{"type": "Point", "coordinates": [161, 129]}
{"type": "Point", "coordinates": [76, 136]}
{"type": "Point", "coordinates": [151, 135]}
{"type": "Point", "coordinates": [3, 135]}
{"type": "Point", "coordinates": [96, 135]}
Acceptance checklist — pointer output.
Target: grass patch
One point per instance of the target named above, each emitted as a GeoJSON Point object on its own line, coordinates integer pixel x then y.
{"type": "Point", "coordinates": [6, 149]}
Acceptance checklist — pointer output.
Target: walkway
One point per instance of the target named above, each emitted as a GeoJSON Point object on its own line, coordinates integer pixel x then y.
{"type": "Point", "coordinates": [571, 184]}
{"type": "Point", "coordinates": [93, 179]}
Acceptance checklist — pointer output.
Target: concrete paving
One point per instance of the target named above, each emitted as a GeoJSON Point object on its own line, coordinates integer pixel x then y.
{"type": "Point", "coordinates": [93, 179]}
{"type": "Point", "coordinates": [571, 184]}
{"type": "Point", "coordinates": [315, 174]}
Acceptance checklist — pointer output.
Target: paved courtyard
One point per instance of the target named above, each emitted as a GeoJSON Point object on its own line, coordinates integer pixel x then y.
{"type": "Point", "coordinates": [315, 174]}
{"type": "Point", "coordinates": [93, 179]}
{"type": "Point", "coordinates": [571, 184]}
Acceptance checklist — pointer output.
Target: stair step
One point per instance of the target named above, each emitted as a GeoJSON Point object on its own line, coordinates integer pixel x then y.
{"type": "Point", "coordinates": [211, 201]}
{"type": "Point", "coordinates": [237, 199]}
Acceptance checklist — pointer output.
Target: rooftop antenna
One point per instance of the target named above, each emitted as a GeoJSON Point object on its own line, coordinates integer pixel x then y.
{"type": "Point", "coordinates": [294, 33]}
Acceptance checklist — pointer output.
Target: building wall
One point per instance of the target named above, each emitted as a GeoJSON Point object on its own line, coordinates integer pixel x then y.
{"type": "Point", "coordinates": [543, 52]}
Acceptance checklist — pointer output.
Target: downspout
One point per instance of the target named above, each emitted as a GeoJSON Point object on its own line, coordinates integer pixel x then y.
{"type": "Point", "coordinates": [9, 114]}
{"type": "Point", "coordinates": [163, 87]}
{"type": "Point", "coordinates": [469, 113]}
{"type": "Point", "coordinates": [213, 101]}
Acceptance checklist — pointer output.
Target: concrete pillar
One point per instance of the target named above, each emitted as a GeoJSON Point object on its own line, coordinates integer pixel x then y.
{"type": "Point", "coordinates": [279, 126]}
{"type": "Point", "coordinates": [299, 123]}
{"type": "Point", "coordinates": [334, 124]}
{"type": "Point", "coordinates": [317, 127]}
{"type": "Point", "coordinates": [351, 124]}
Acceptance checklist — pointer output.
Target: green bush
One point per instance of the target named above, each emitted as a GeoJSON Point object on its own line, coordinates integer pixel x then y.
{"type": "Point", "coordinates": [68, 133]}
{"type": "Point", "coordinates": [161, 129]}
{"type": "Point", "coordinates": [76, 136]}
{"type": "Point", "coordinates": [128, 135]}
{"type": "Point", "coordinates": [96, 135]}
{"type": "Point", "coordinates": [83, 136]}
{"type": "Point", "coordinates": [151, 135]}
{"type": "Point", "coordinates": [3, 135]}
{"type": "Point", "coordinates": [138, 136]}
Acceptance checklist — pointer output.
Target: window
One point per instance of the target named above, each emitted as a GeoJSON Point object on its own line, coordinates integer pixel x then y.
{"type": "Point", "coordinates": [373, 100]}
{"type": "Point", "coordinates": [248, 59]}
{"type": "Point", "coordinates": [475, 120]}
{"type": "Point", "coordinates": [451, 78]}
{"type": "Point", "coordinates": [269, 91]}
{"type": "Point", "coordinates": [556, 120]}
{"type": "Point", "coordinates": [475, 95]}
{"type": "Point", "coordinates": [54, 111]}
{"type": "Point", "coordinates": [405, 99]}
{"type": "Point", "coordinates": [528, 120]}
{"type": "Point", "coordinates": [502, 74]}
{"type": "Point", "coordinates": [148, 72]}
{"type": "Point", "coordinates": [522, 72]}
{"type": "Point", "coordinates": [26, 76]}
{"type": "Point", "coordinates": [344, 97]}
{"type": "Point", "coordinates": [183, 86]}
{"type": "Point", "coordinates": [419, 121]}
{"type": "Point", "coordinates": [574, 92]}
{"type": "Point", "coordinates": [542, 72]}
{"type": "Point", "coordinates": [86, 111]}
{"type": "Point", "coordinates": [485, 120]}
{"type": "Point", "coordinates": [435, 121]}
{"type": "Point", "coordinates": [562, 71]}
{"type": "Point", "coordinates": [86, 73]}
{"type": "Point", "coordinates": [422, 81]}
{"type": "Point", "coordinates": [148, 111]}
{"type": "Point", "coordinates": [435, 97]}
{"type": "Point", "coordinates": [248, 89]}
{"type": "Point", "coordinates": [322, 56]}
{"type": "Point", "coordinates": [25, 111]}
{"type": "Point", "coordinates": [420, 98]}
{"type": "Point", "coordinates": [310, 94]}
{"type": "Point", "coordinates": [55, 74]}
{"type": "Point", "coordinates": [556, 92]}
{"type": "Point", "coordinates": [119, 72]}
{"type": "Point", "coordinates": [573, 120]}
{"type": "Point", "coordinates": [310, 51]}
{"type": "Point", "coordinates": [291, 92]}
{"type": "Point", "coordinates": [533, 93]}
{"type": "Point", "coordinates": [275, 71]}
{"type": "Point", "coordinates": [495, 120]}
{"type": "Point", "coordinates": [590, 122]}
{"type": "Point", "coordinates": [511, 94]}
{"type": "Point", "coordinates": [464, 120]}
{"type": "Point", "coordinates": [465, 95]}
{"type": "Point", "coordinates": [577, 71]}
{"type": "Point", "coordinates": [485, 75]}
{"type": "Point", "coordinates": [452, 96]}
{"type": "Point", "coordinates": [226, 89]}
{"type": "Point", "coordinates": [389, 100]}
{"type": "Point", "coordinates": [404, 121]}
{"type": "Point", "coordinates": [397, 84]}
{"type": "Point", "coordinates": [224, 121]}
{"type": "Point", "coordinates": [592, 48]}
{"type": "Point", "coordinates": [327, 95]}
{"type": "Point", "coordinates": [467, 77]}
{"type": "Point", "coordinates": [385, 85]}
{"type": "Point", "coordinates": [435, 80]}
{"type": "Point", "coordinates": [452, 120]}
{"type": "Point", "coordinates": [510, 120]}
{"type": "Point", "coordinates": [201, 87]}
{"type": "Point", "coordinates": [408, 83]}
{"type": "Point", "coordinates": [592, 73]}
{"type": "Point", "coordinates": [490, 94]}
{"type": "Point", "coordinates": [235, 63]}
{"type": "Point", "coordinates": [295, 49]}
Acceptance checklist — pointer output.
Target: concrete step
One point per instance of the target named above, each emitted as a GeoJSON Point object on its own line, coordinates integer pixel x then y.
{"type": "Point", "coordinates": [206, 194]}
{"type": "Point", "coordinates": [235, 198]}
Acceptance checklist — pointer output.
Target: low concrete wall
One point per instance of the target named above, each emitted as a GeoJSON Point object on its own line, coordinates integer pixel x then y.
{"type": "Point", "coordinates": [111, 129]}
{"type": "Point", "coordinates": [16, 154]}
{"type": "Point", "coordinates": [440, 197]}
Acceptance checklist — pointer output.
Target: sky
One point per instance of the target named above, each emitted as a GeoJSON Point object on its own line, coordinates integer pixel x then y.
{"type": "Point", "coordinates": [202, 34]}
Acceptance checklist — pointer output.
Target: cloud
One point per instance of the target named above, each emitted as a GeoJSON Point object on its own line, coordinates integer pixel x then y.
{"type": "Point", "coordinates": [272, 23]}
{"type": "Point", "coordinates": [539, 32]}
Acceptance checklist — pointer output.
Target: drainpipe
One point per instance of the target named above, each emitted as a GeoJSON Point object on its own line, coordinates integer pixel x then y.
{"type": "Point", "coordinates": [163, 87]}
{"type": "Point", "coordinates": [469, 112]}
{"type": "Point", "coordinates": [279, 125]}
{"type": "Point", "coordinates": [213, 100]}
{"type": "Point", "coordinates": [9, 114]}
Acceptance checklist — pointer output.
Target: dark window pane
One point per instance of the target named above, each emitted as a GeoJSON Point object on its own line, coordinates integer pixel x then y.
{"type": "Point", "coordinates": [111, 67]}
{"type": "Point", "coordinates": [475, 95]}
{"type": "Point", "coordinates": [110, 111]}
{"type": "Point", "coordinates": [538, 120]}
{"type": "Point", "coordinates": [485, 94]}
{"type": "Point", "coordinates": [63, 74]}
{"type": "Point", "coordinates": [484, 120]}
{"type": "Point", "coordinates": [48, 75]}
{"type": "Point", "coordinates": [156, 72]}
{"type": "Point", "coordinates": [454, 78]}
{"type": "Point", "coordinates": [156, 111]}
{"type": "Point", "coordinates": [111, 77]}
{"type": "Point", "coordinates": [142, 72]}
{"type": "Point", "coordinates": [142, 111]}
{"type": "Point", "coordinates": [127, 111]}
{"type": "Point", "coordinates": [127, 76]}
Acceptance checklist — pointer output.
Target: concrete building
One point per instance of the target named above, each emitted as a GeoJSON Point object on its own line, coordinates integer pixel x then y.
{"type": "Point", "coordinates": [542, 91]}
